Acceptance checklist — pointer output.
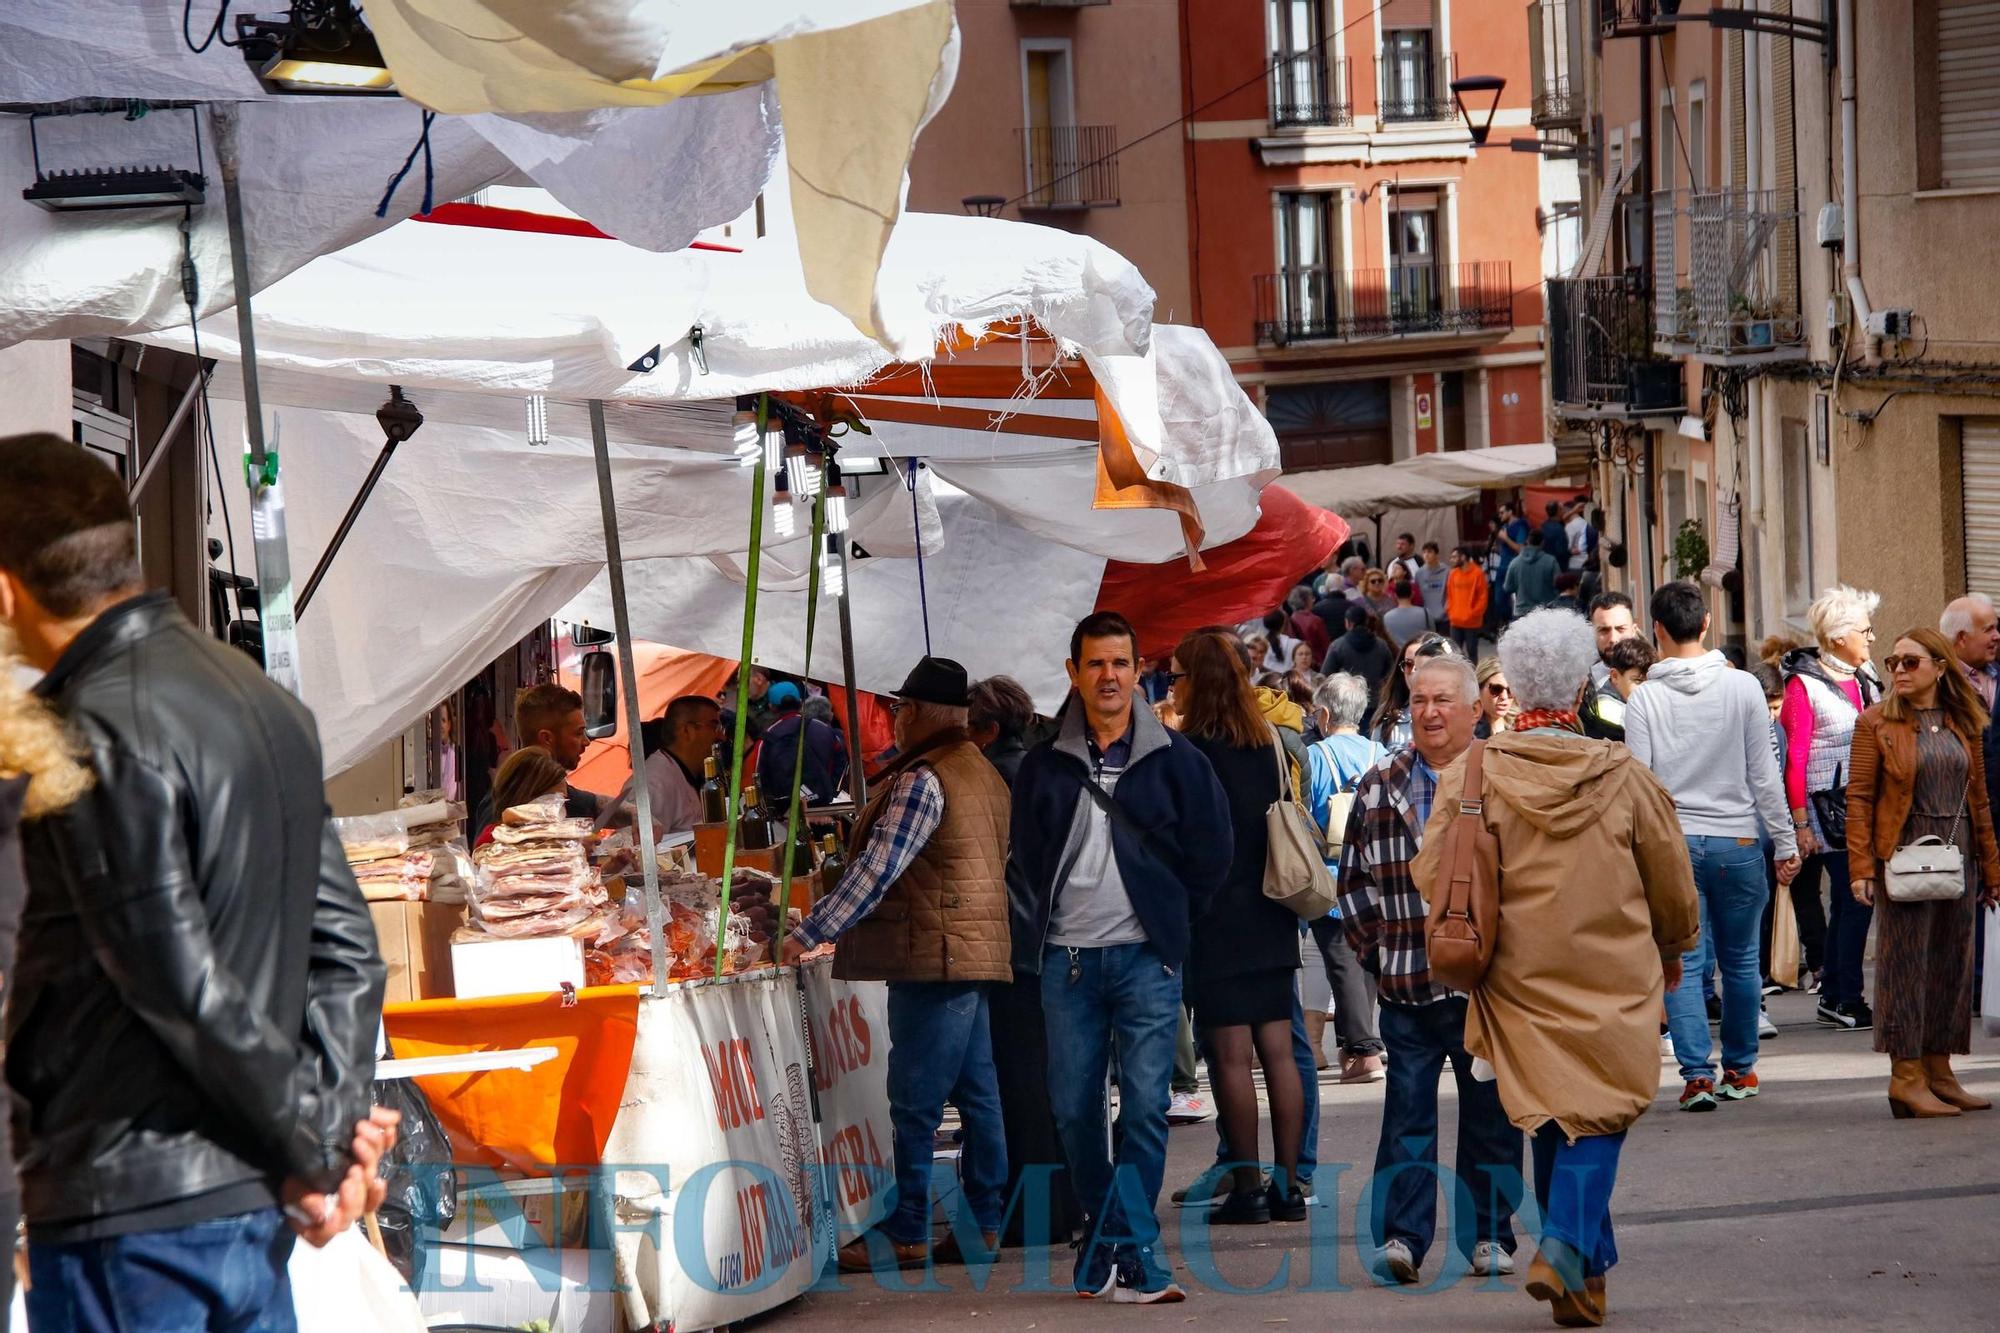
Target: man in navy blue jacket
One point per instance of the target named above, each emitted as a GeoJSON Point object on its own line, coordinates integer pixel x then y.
{"type": "Point", "coordinates": [1120, 833]}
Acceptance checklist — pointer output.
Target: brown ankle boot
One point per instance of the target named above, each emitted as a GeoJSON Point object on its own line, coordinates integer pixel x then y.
{"type": "Point", "coordinates": [1910, 1095]}
{"type": "Point", "coordinates": [1945, 1085]}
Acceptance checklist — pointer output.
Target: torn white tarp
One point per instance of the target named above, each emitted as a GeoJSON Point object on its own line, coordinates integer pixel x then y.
{"type": "Point", "coordinates": [642, 158]}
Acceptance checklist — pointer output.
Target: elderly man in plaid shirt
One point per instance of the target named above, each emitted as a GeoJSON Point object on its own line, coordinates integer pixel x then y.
{"type": "Point", "coordinates": [923, 906]}
{"type": "Point", "coordinates": [1423, 1023]}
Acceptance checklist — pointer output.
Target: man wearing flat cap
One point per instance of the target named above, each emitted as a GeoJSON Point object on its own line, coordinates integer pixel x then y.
{"type": "Point", "coordinates": [922, 905]}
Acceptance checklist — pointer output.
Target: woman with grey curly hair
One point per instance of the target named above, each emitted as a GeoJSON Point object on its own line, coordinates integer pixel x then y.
{"type": "Point", "coordinates": [1598, 904]}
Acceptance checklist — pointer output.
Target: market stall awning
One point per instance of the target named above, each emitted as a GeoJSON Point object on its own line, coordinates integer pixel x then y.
{"type": "Point", "coordinates": [1500, 468]}
{"type": "Point", "coordinates": [634, 154]}
{"type": "Point", "coordinates": [1370, 491]}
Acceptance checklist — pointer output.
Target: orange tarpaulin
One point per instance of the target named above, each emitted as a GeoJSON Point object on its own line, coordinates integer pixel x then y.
{"type": "Point", "coordinates": [558, 1113]}
{"type": "Point", "coordinates": [665, 674]}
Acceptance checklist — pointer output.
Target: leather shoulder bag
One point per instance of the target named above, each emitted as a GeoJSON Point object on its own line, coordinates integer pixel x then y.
{"type": "Point", "coordinates": [1295, 873]}
{"type": "Point", "coordinates": [1931, 869]}
{"type": "Point", "coordinates": [1463, 924]}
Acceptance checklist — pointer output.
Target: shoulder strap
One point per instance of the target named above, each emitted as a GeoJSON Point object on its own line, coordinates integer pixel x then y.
{"type": "Point", "coordinates": [1119, 816]}
{"type": "Point", "coordinates": [1284, 767]}
{"type": "Point", "coordinates": [1472, 796]}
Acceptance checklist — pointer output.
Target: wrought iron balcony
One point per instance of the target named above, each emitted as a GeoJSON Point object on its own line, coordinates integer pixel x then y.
{"type": "Point", "coordinates": [1601, 359]}
{"type": "Point", "coordinates": [1331, 305]}
{"type": "Point", "coordinates": [1069, 166]}
{"type": "Point", "coordinates": [1724, 266]}
{"type": "Point", "coordinates": [1636, 18]}
{"type": "Point", "coordinates": [1553, 105]}
{"type": "Point", "coordinates": [1309, 91]}
{"type": "Point", "coordinates": [1409, 91]}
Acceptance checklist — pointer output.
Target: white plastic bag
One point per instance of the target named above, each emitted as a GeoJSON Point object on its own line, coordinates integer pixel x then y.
{"type": "Point", "coordinates": [1989, 999]}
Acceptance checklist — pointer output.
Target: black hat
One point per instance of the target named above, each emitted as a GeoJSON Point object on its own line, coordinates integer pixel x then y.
{"type": "Point", "coordinates": [937, 680]}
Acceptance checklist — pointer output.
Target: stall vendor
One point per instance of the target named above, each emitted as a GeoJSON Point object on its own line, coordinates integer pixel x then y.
{"type": "Point", "coordinates": [922, 905]}
{"type": "Point", "coordinates": [692, 727]}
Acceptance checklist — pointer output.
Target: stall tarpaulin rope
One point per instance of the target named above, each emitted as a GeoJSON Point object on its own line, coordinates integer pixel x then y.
{"type": "Point", "coordinates": [917, 530]}
{"type": "Point", "coordinates": [754, 569]}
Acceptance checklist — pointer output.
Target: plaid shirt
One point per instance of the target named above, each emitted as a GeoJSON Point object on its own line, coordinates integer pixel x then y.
{"type": "Point", "coordinates": [911, 812]}
{"type": "Point", "coordinates": [1380, 907]}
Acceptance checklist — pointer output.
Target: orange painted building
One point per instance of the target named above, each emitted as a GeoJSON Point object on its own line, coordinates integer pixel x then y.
{"type": "Point", "coordinates": [1374, 279]}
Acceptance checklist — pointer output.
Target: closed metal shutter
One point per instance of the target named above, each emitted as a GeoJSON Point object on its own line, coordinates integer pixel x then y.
{"type": "Point", "coordinates": [1979, 450]}
{"type": "Point", "coordinates": [1732, 78]}
{"type": "Point", "coordinates": [1784, 169]}
{"type": "Point", "coordinates": [1968, 86]}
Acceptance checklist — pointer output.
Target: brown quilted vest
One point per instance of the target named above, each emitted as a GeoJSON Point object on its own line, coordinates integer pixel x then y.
{"type": "Point", "coordinates": [945, 918]}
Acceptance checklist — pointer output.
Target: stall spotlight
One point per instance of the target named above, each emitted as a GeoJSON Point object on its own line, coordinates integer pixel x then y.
{"type": "Point", "coordinates": [82, 189]}
{"type": "Point", "coordinates": [538, 420]}
{"type": "Point", "coordinates": [804, 469]}
{"type": "Point", "coordinates": [833, 577]}
{"type": "Point", "coordinates": [320, 47]}
{"type": "Point", "coordinates": [774, 444]}
{"type": "Point", "coordinates": [784, 518]}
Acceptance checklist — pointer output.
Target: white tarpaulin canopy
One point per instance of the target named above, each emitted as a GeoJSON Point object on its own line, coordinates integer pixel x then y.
{"type": "Point", "coordinates": [1500, 468]}
{"type": "Point", "coordinates": [1370, 491]}
{"type": "Point", "coordinates": [635, 154]}
{"type": "Point", "coordinates": [473, 536]}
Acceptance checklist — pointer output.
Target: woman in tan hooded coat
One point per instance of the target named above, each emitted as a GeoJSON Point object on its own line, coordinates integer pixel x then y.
{"type": "Point", "coordinates": [1597, 905]}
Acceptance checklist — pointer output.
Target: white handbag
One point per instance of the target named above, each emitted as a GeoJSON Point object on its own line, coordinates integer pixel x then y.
{"type": "Point", "coordinates": [1931, 869]}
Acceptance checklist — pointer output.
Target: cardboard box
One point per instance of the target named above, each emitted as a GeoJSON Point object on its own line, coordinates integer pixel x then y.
{"type": "Point", "coordinates": [539, 1212]}
{"type": "Point", "coordinates": [415, 939]}
{"type": "Point", "coordinates": [708, 847]}
{"type": "Point", "coordinates": [516, 967]}
{"type": "Point", "coordinates": [571, 1289]}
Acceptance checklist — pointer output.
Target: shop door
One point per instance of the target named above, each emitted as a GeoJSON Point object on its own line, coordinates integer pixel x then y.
{"type": "Point", "coordinates": [1331, 425]}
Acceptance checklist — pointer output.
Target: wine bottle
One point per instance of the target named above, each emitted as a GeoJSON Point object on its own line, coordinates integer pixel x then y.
{"type": "Point", "coordinates": [714, 797]}
{"type": "Point", "coordinates": [831, 864]}
{"type": "Point", "coordinates": [753, 827]}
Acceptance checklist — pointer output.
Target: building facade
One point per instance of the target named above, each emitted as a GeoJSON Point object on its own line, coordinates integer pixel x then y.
{"type": "Point", "coordinates": [1373, 278]}
{"type": "Point", "coordinates": [1040, 125]}
{"type": "Point", "coordinates": [1779, 212]}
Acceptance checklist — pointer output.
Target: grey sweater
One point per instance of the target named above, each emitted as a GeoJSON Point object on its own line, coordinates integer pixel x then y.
{"type": "Point", "coordinates": [1704, 729]}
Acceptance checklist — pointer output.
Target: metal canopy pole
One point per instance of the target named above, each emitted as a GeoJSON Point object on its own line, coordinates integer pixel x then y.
{"type": "Point", "coordinates": [278, 627]}
{"type": "Point", "coordinates": [166, 437]}
{"type": "Point", "coordinates": [857, 776]}
{"type": "Point", "coordinates": [628, 673]}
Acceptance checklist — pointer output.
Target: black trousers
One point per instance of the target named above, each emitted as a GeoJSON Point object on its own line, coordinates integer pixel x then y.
{"type": "Point", "coordinates": [1021, 1067]}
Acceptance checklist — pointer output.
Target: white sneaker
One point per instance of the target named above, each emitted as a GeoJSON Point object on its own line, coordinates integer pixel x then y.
{"type": "Point", "coordinates": [1188, 1108]}
{"type": "Point", "coordinates": [1396, 1263]}
{"type": "Point", "coordinates": [1666, 1046]}
{"type": "Point", "coordinates": [1765, 1027]}
{"type": "Point", "coordinates": [1489, 1260]}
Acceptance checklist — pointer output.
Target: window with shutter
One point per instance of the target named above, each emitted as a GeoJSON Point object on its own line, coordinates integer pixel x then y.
{"type": "Point", "coordinates": [1968, 93]}
{"type": "Point", "coordinates": [1732, 45]}
{"type": "Point", "coordinates": [1979, 477]}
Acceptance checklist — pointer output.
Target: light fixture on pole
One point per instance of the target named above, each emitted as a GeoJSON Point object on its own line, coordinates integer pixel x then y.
{"type": "Point", "coordinates": [83, 189]}
{"type": "Point", "coordinates": [743, 437]}
{"type": "Point", "coordinates": [983, 205]}
{"type": "Point", "coordinates": [804, 469]}
{"type": "Point", "coordinates": [832, 570]}
{"type": "Point", "coordinates": [784, 518]}
{"type": "Point", "coordinates": [538, 420]}
{"type": "Point", "coordinates": [1478, 83]}
{"type": "Point", "coordinates": [321, 47]}
{"type": "Point", "coordinates": [836, 502]}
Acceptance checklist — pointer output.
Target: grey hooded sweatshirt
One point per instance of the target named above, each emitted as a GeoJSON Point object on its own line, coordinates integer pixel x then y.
{"type": "Point", "coordinates": [1704, 729]}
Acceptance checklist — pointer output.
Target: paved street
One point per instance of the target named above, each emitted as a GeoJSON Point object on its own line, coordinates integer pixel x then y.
{"type": "Point", "coordinates": [1806, 1208]}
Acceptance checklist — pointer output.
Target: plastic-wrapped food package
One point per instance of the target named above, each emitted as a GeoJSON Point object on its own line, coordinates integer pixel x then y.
{"type": "Point", "coordinates": [535, 877]}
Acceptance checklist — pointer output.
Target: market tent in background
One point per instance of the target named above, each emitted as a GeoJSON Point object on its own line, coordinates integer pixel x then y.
{"type": "Point", "coordinates": [608, 124]}
{"type": "Point", "coordinates": [1504, 467]}
{"type": "Point", "coordinates": [1244, 578]}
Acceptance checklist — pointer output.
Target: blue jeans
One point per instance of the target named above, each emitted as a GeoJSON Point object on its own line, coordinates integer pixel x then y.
{"type": "Point", "coordinates": [1573, 1184]}
{"type": "Point", "coordinates": [1302, 1054]}
{"type": "Point", "coordinates": [1846, 930]}
{"type": "Point", "coordinates": [1729, 879]}
{"type": "Point", "coordinates": [1124, 993]}
{"type": "Point", "coordinates": [1420, 1038]}
{"type": "Point", "coordinates": [941, 1047]}
{"type": "Point", "coordinates": [226, 1276]}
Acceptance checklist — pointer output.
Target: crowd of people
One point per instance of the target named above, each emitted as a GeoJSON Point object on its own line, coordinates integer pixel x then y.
{"type": "Point", "coordinates": [1057, 907]}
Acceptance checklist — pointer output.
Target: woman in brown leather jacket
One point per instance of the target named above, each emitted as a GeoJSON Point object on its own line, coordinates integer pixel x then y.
{"type": "Point", "coordinates": [1916, 771]}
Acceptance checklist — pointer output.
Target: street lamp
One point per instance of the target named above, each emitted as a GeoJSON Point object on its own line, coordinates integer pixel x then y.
{"type": "Point", "coordinates": [1478, 83]}
{"type": "Point", "coordinates": [983, 205]}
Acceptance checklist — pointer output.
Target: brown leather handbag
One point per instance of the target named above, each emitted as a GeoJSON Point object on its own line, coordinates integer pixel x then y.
{"type": "Point", "coordinates": [1464, 920]}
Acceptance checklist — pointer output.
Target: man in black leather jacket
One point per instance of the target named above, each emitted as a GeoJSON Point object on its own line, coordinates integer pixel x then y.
{"type": "Point", "coordinates": [190, 1038]}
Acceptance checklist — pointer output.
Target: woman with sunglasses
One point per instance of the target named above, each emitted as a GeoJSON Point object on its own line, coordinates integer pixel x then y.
{"type": "Point", "coordinates": [1826, 688]}
{"type": "Point", "coordinates": [1497, 708]}
{"type": "Point", "coordinates": [1375, 592]}
{"type": "Point", "coordinates": [1391, 723]}
{"type": "Point", "coordinates": [1918, 772]}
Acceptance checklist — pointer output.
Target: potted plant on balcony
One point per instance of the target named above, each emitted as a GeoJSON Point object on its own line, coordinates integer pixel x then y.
{"type": "Point", "coordinates": [1690, 550]}
{"type": "Point", "coordinates": [1751, 318]}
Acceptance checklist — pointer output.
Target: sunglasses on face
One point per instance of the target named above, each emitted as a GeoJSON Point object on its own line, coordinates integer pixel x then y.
{"type": "Point", "coordinates": [1497, 690]}
{"type": "Point", "coordinates": [1910, 663]}
{"type": "Point", "coordinates": [1173, 677]}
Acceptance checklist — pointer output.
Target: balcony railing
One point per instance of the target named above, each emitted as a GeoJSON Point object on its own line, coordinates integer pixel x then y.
{"type": "Point", "coordinates": [1636, 18]}
{"type": "Point", "coordinates": [1553, 105]}
{"type": "Point", "coordinates": [1724, 275]}
{"type": "Point", "coordinates": [1309, 90]}
{"type": "Point", "coordinates": [1070, 166]}
{"type": "Point", "coordinates": [1600, 350]}
{"type": "Point", "coordinates": [1327, 304]}
{"type": "Point", "coordinates": [1410, 90]}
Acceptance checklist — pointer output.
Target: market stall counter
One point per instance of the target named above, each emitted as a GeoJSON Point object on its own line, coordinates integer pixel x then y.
{"type": "Point", "coordinates": [720, 1150]}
